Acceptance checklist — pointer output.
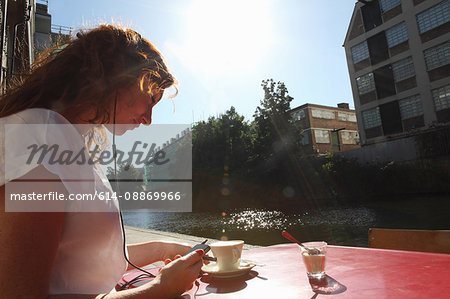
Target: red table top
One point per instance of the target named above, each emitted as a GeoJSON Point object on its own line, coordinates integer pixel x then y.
{"type": "Point", "coordinates": [351, 273]}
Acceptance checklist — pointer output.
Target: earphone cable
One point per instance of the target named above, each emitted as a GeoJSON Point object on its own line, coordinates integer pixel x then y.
{"type": "Point", "coordinates": [118, 192]}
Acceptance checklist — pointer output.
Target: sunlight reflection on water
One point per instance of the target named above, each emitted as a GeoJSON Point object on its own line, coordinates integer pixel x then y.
{"type": "Point", "coordinates": [347, 226]}
{"type": "Point", "coordinates": [261, 219]}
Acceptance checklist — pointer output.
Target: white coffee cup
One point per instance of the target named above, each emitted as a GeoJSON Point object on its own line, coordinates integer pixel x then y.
{"type": "Point", "coordinates": [228, 254]}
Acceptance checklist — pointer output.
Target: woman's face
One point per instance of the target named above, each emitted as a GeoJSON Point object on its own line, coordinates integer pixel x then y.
{"type": "Point", "coordinates": [134, 108]}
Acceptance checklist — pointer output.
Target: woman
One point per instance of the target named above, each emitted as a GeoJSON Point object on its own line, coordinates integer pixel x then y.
{"type": "Point", "coordinates": [109, 76]}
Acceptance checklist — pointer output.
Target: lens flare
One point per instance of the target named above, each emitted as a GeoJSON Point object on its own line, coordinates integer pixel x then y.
{"type": "Point", "coordinates": [225, 191]}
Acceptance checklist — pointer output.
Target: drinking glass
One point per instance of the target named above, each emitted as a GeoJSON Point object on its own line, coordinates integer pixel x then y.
{"type": "Point", "coordinates": [315, 259]}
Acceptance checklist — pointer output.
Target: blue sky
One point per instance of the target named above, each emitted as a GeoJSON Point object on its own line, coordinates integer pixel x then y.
{"type": "Point", "coordinates": [220, 51]}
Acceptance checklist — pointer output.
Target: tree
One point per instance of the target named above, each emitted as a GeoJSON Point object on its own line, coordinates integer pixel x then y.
{"type": "Point", "coordinates": [238, 140]}
{"type": "Point", "coordinates": [276, 138]}
{"type": "Point", "coordinates": [245, 160]}
{"type": "Point", "coordinates": [221, 141]}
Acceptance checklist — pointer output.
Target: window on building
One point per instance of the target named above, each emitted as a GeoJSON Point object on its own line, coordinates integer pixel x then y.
{"type": "Point", "coordinates": [403, 69]}
{"type": "Point", "coordinates": [434, 16]}
{"type": "Point", "coordinates": [348, 137]}
{"type": "Point", "coordinates": [299, 114]}
{"type": "Point", "coordinates": [378, 48]}
{"type": "Point", "coordinates": [321, 113]}
{"type": "Point", "coordinates": [391, 119]}
{"type": "Point", "coordinates": [441, 97]}
{"type": "Point", "coordinates": [305, 138]}
{"type": "Point", "coordinates": [347, 116]}
{"type": "Point", "coordinates": [389, 4]}
{"type": "Point", "coordinates": [384, 81]}
{"type": "Point", "coordinates": [360, 52]}
{"type": "Point", "coordinates": [371, 118]}
{"type": "Point", "coordinates": [371, 15]}
{"type": "Point", "coordinates": [411, 107]}
{"type": "Point", "coordinates": [437, 56]}
{"type": "Point", "coordinates": [397, 35]}
{"type": "Point", "coordinates": [365, 83]}
{"type": "Point", "coordinates": [322, 136]}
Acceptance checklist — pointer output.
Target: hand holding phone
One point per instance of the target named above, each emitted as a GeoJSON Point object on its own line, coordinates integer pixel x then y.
{"type": "Point", "coordinates": [205, 248]}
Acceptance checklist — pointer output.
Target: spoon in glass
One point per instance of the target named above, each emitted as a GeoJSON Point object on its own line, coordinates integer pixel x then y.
{"type": "Point", "coordinates": [311, 251]}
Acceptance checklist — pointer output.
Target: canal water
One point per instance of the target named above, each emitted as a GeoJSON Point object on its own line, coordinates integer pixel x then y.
{"type": "Point", "coordinates": [339, 226]}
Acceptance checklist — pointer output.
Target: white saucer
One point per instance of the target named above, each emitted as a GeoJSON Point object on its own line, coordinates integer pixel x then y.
{"type": "Point", "coordinates": [243, 269]}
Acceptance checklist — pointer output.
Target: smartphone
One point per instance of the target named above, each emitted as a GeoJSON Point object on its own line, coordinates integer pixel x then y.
{"type": "Point", "coordinates": [205, 248]}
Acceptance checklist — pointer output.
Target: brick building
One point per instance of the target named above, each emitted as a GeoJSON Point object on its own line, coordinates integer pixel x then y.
{"type": "Point", "coordinates": [398, 57]}
{"type": "Point", "coordinates": [327, 129]}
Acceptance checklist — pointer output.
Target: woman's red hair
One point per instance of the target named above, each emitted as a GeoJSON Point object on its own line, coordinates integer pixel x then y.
{"type": "Point", "coordinates": [85, 70]}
